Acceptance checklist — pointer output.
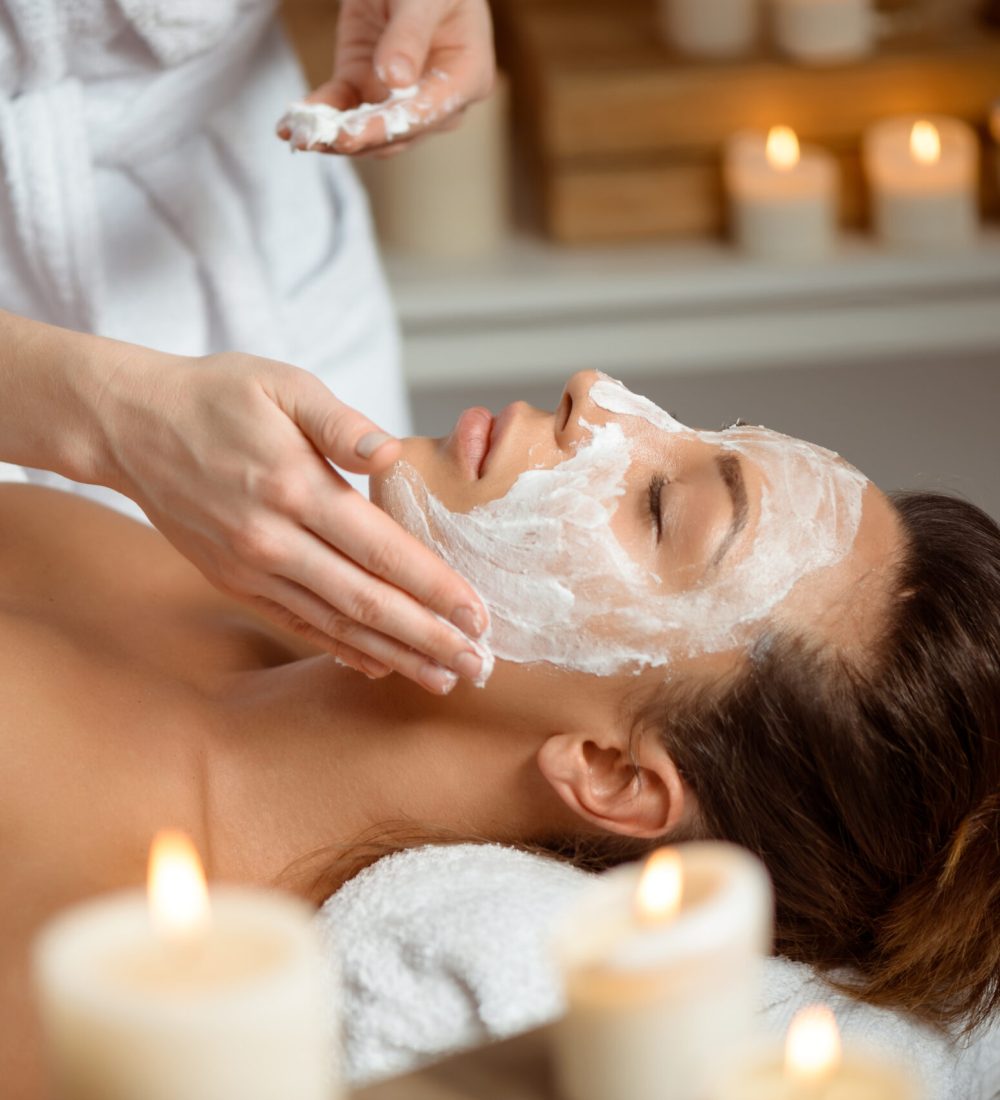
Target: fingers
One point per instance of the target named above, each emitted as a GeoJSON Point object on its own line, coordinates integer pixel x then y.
{"type": "Point", "coordinates": [346, 437]}
{"type": "Point", "coordinates": [366, 535]}
{"type": "Point", "coordinates": [384, 152]}
{"type": "Point", "coordinates": [401, 54]}
{"type": "Point", "coordinates": [343, 653]}
{"type": "Point", "coordinates": [418, 584]}
{"type": "Point", "coordinates": [370, 606]}
{"type": "Point", "coordinates": [339, 94]}
{"type": "Point", "coordinates": [394, 121]}
{"type": "Point", "coordinates": [310, 617]}
{"type": "Point", "coordinates": [437, 99]}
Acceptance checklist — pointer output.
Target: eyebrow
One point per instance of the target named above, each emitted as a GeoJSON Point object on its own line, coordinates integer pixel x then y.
{"type": "Point", "coordinates": [731, 472]}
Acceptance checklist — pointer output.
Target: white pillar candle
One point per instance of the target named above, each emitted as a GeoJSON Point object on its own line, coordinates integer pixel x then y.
{"type": "Point", "coordinates": [782, 196]}
{"type": "Point", "coordinates": [711, 28]}
{"type": "Point", "coordinates": [661, 964]}
{"type": "Point", "coordinates": [448, 196]}
{"type": "Point", "coordinates": [924, 176]}
{"type": "Point", "coordinates": [188, 1001]}
{"type": "Point", "coordinates": [814, 1067]}
{"type": "Point", "coordinates": [823, 32]}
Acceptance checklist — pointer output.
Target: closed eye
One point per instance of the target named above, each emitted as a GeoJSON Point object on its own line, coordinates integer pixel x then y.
{"type": "Point", "coordinates": [654, 503]}
{"type": "Point", "coordinates": [739, 422]}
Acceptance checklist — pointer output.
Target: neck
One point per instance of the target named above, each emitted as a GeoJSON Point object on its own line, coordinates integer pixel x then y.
{"type": "Point", "coordinates": [307, 759]}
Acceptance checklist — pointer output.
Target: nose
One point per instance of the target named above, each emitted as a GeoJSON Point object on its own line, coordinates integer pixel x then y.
{"type": "Point", "coordinates": [574, 405]}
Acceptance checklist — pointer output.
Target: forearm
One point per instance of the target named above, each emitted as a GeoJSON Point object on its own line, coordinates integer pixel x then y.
{"type": "Point", "coordinates": [53, 383]}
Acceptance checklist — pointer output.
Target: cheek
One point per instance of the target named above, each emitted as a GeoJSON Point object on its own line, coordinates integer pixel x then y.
{"type": "Point", "coordinates": [431, 462]}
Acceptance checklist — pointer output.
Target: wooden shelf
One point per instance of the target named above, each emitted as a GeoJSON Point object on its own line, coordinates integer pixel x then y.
{"type": "Point", "coordinates": [625, 137]}
{"type": "Point", "coordinates": [536, 312]}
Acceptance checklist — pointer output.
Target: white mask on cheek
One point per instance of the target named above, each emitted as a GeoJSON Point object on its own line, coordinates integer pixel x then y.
{"type": "Point", "coordinates": [562, 589]}
{"type": "Point", "coordinates": [543, 557]}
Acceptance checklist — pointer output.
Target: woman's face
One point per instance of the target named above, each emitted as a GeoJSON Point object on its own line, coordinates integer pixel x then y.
{"type": "Point", "coordinates": [609, 538]}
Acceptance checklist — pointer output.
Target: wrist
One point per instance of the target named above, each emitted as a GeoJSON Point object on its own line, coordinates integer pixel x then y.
{"type": "Point", "coordinates": [112, 391]}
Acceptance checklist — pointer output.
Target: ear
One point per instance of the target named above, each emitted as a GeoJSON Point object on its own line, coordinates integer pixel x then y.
{"type": "Point", "coordinates": [598, 780]}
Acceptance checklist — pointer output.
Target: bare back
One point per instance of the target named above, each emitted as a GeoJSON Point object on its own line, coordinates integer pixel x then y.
{"type": "Point", "coordinates": [110, 644]}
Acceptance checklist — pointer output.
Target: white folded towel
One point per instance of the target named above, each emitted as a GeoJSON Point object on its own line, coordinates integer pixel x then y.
{"type": "Point", "coordinates": [444, 947]}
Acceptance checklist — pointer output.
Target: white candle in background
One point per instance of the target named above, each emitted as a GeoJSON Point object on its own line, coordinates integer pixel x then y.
{"type": "Point", "coordinates": [448, 196]}
{"type": "Point", "coordinates": [823, 32]}
{"type": "Point", "coordinates": [813, 1066]}
{"type": "Point", "coordinates": [711, 28]}
{"type": "Point", "coordinates": [182, 999]}
{"type": "Point", "coordinates": [661, 964]}
{"type": "Point", "coordinates": [782, 196]}
{"type": "Point", "coordinates": [924, 178]}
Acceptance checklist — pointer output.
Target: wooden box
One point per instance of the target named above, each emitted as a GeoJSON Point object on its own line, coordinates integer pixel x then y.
{"type": "Point", "coordinates": [624, 137]}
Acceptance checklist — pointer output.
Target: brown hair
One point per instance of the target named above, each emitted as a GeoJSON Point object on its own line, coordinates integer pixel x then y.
{"type": "Point", "coordinates": [871, 790]}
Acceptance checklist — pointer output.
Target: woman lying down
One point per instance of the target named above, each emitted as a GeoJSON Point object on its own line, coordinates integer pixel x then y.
{"type": "Point", "coordinates": [728, 634]}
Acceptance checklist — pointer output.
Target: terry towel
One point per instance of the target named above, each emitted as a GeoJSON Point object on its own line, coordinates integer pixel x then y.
{"type": "Point", "coordinates": [445, 947]}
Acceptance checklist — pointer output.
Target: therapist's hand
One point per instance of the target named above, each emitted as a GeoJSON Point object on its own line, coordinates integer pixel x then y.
{"type": "Point", "coordinates": [445, 46]}
{"type": "Point", "coordinates": [227, 457]}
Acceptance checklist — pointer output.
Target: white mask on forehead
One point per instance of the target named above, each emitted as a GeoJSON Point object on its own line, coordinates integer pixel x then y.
{"type": "Point", "coordinates": [562, 589]}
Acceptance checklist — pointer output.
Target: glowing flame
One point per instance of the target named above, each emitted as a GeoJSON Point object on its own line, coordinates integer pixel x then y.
{"type": "Point", "coordinates": [658, 895]}
{"type": "Point", "coordinates": [783, 151]}
{"type": "Point", "coordinates": [812, 1050]}
{"type": "Point", "coordinates": [178, 894]}
{"type": "Point", "coordinates": [925, 143]}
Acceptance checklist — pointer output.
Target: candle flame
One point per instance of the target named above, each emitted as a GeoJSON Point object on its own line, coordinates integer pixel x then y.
{"type": "Point", "coordinates": [178, 894]}
{"type": "Point", "coordinates": [658, 895]}
{"type": "Point", "coordinates": [925, 143]}
{"type": "Point", "coordinates": [783, 151]}
{"type": "Point", "coordinates": [812, 1049]}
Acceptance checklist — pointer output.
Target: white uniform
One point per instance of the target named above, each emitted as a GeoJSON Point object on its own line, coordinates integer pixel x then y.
{"type": "Point", "coordinates": [147, 198]}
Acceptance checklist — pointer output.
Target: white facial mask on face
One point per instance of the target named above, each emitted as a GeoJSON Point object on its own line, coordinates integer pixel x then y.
{"type": "Point", "coordinates": [562, 589]}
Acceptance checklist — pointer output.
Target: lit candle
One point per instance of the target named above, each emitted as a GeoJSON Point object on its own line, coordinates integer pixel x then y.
{"type": "Point", "coordinates": [923, 174]}
{"type": "Point", "coordinates": [710, 28]}
{"type": "Point", "coordinates": [824, 32]}
{"type": "Point", "coordinates": [185, 998]}
{"type": "Point", "coordinates": [782, 196]}
{"type": "Point", "coordinates": [661, 968]}
{"type": "Point", "coordinates": [814, 1067]}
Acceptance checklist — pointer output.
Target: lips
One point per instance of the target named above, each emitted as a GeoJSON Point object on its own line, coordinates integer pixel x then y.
{"type": "Point", "coordinates": [472, 439]}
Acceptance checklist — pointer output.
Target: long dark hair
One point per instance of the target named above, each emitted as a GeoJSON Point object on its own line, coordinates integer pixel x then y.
{"type": "Point", "coordinates": [871, 788]}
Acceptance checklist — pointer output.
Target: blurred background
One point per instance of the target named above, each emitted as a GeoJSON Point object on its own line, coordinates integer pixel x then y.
{"type": "Point", "coordinates": [616, 205]}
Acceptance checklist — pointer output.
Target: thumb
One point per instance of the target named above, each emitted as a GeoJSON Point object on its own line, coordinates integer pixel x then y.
{"type": "Point", "coordinates": [401, 54]}
{"type": "Point", "coordinates": [343, 435]}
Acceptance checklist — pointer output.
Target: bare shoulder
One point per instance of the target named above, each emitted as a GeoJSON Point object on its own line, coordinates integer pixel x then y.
{"type": "Point", "coordinates": [93, 575]}
{"type": "Point", "coordinates": [50, 539]}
